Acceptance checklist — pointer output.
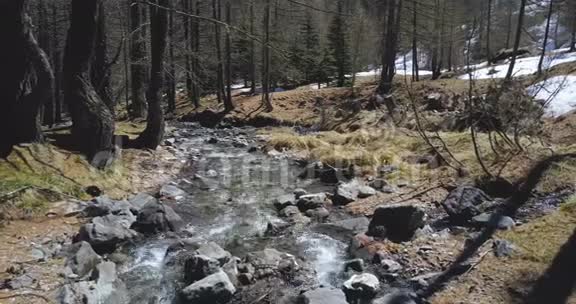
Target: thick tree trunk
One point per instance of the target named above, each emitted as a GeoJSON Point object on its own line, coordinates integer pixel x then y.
{"type": "Point", "coordinates": [152, 136]}
{"type": "Point", "coordinates": [392, 25]}
{"type": "Point", "coordinates": [45, 43]}
{"type": "Point", "coordinates": [21, 58]}
{"type": "Point", "coordinates": [137, 59]}
{"type": "Point", "coordinates": [93, 122]}
{"type": "Point", "coordinates": [488, 32]}
{"type": "Point", "coordinates": [573, 32]}
{"type": "Point", "coordinates": [187, 7]}
{"type": "Point", "coordinates": [100, 71]}
{"type": "Point", "coordinates": [516, 40]}
{"type": "Point", "coordinates": [57, 65]}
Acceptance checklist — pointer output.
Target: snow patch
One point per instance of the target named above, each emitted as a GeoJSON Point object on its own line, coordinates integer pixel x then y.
{"type": "Point", "coordinates": [559, 93]}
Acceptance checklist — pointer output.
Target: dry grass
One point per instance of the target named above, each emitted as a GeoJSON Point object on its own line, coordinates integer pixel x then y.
{"type": "Point", "coordinates": [499, 280]}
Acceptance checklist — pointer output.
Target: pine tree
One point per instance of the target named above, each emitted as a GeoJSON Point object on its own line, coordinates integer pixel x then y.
{"type": "Point", "coordinates": [338, 42]}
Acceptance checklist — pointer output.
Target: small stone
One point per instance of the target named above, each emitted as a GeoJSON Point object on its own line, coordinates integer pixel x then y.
{"type": "Point", "coordinates": [361, 287]}
{"type": "Point", "coordinates": [246, 278]}
{"type": "Point", "coordinates": [299, 193]}
{"type": "Point", "coordinates": [356, 265]}
{"type": "Point", "coordinates": [172, 192]}
{"type": "Point", "coordinates": [503, 248]}
{"type": "Point", "coordinates": [319, 214]}
{"type": "Point", "coordinates": [390, 265]}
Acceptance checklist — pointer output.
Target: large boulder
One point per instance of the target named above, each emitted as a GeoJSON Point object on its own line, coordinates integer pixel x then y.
{"type": "Point", "coordinates": [323, 296]}
{"type": "Point", "coordinates": [197, 267]}
{"type": "Point", "coordinates": [346, 193]}
{"type": "Point", "coordinates": [214, 251]}
{"type": "Point", "coordinates": [105, 233]}
{"type": "Point", "coordinates": [81, 260]}
{"type": "Point", "coordinates": [464, 203]}
{"type": "Point", "coordinates": [104, 288]}
{"type": "Point", "coordinates": [344, 229]}
{"type": "Point", "coordinates": [98, 206]}
{"type": "Point", "coordinates": [311, 201]}
{"type": "Point", "coordinates": [361, 287]}
{"type": "Point", "coordinates": [156, 217]}
{"type": "Point", "coordinates": [214, 289]}
{"type": "Point", "coordinates": [396, 222]}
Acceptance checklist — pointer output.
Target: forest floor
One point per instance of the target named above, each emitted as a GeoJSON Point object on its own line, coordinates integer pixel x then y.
{"type": "Point", "coordinates": [36, 179]}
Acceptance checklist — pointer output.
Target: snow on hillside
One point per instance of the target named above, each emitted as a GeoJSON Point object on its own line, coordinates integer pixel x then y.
{"type": "Point", "coordinates": [524, 66]}
{"type": "Point", "coordinates": [559, 93]}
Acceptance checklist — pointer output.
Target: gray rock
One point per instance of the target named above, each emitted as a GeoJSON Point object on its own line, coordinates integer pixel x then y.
{"type": "Point", "coordinates": [269, 261]}
{"type": "Point", "coordinates": [356, 265]}
{"type": "Point", "coordinates": [197, 267]}
{"type": "Point", "coordinates": [246, 278]}
{"type": "Point", "coordinates": [81, 260]}
{"type": "Point", "coordinates": [311, 201]}
{"type": "Point", "coordinates": [156, 217]}
{"type": "Point", "coordinates": [323, 296]}
{"type": "Point", "coordinates": [299, 193]}
{"type": "Point", "coordinates": [345, 229]}
{"type": "Point", "coordinates": [231, 269]}
{"type": "Point", "coordinates": [172, 192]}
{"type": "Point", "coordinates": [140, 200]}
{"type": "Point", "coordinates": [214, 289]}
{"type": "Point", "coordinates": [276, 228]}
{"type": "Point", "coordinates": [378, 184]}
{"type": "Point", "coordinates": [319, 214]}
{"type": "Point", "coordinates": [398, 297]}
{"type": "Point", "coordinates": [366, 191]}
{"type": "Point", "coordinates": [398, 222]}
{"type": "Point", "coordinates": [289, 211]}
{"type": "Point", "coordinates": [346, 193]}
{"type": "Point", "coordinates": [361, 287]}
{"type": "Point", "coordinates": [214, 251]}
{"type": "Point", "coordinates": [503, 248]}
{"type": "Point", "coordinates": [483, 220]}
{"type": "Point", "coordinates": [463, 203]}
{"type": "Point", "coordinates": [98, 206]}
{"type": "Point", "coordinates": [390, 265]}
{"type": "Point", "coordinates": [106, 233]}
{"type": "Point", "coordinates": [25, 280]}
{"type": "Point", "coordinates": [104, 288]}
{"type": "Point", "coordinates": [284, 201]}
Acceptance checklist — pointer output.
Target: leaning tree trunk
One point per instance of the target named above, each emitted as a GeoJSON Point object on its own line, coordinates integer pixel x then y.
{"type": "Point", "coordinates": [154, 132]}
{"type": "Point", "coordinates": [92, 120]}
{"type": "Point", "coordinates": [137, 58]}
{"type": "Point", "coordinates": [26, 78]}
{"type": "Point", "coordinates": [516, 40]}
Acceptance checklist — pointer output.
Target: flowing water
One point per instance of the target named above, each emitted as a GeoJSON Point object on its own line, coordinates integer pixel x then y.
{"type": "Point", "coordinates": [230, 202]}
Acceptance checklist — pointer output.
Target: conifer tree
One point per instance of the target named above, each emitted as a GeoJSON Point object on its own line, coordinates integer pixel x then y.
{"type": "Point", "coordinates": [338, 42]}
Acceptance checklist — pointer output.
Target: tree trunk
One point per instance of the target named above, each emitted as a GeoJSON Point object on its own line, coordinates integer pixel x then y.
{"type": "Point", "coordinates": [509, 27]}
{"type": "Point", "coordinates": [187, 23]}
{"type": "Point", "coordinates": [228, 105]}
{"type": "Point", "coordinates": [516, 40]}
{"type": "Point", "coordinates": [252, 51]}
{"type": "Point", "coordinates": [266, 60]}
{"type": "Point", "coordinates": [100, 70]}
{"type": "Point", "coordinates": [392, 25]}
{"type": "Point", "coordinates": [21, 59]}
{"type": "Point", "coordinates": [57, 60]}
{"type": "Point", "coordinates": [415, 73]}
{"type": "Point", "coordinates": [219, 68]}
{"type": "Point", "coordinates": [152, 136]}
{"type": "Point", "coordinates": [488, 31]}
{"type": "Point", "coordinates": [93, 122]}
{"type": "Point", "coordinates": [573, 34]}
{"type": "Point", "coordinates": [45, 43]}
{"type": "Point", "coordinates": [137, 59]}
{"type": "Point", "coordinates": [546, 33]}
{"type": "Point", "coordinates": [171, 79]}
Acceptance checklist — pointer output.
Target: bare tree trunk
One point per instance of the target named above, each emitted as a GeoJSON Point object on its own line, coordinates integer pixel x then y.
{"type": "Point", "coordinates": [252, 51]}
{"type": "Point", "coordinates": [187, 23]}
{"type": "Point", "coordinates": [573, 34]}
{"type": "Point", "coordinates": [517, 40]}
{"type": "Point", "coordinates": [266, 60]}
{"type": "Point", "coordinates": [415, 68]}
{"type": "Point", "coordinates": [45, 43]}
{"type": "Point", "coordinates": [57, 61]}
{"type": "Point", "coordinates": [93, 122]}
{"type": "Point", "coordinates": [488, 31]}
{"type": "Point", "coordinates": [509, 27]}
{"type": "Point", "coordinates": [137, 59]}
{"type": "Point", "coordinates": [228, 105]}
{"type": "Point", "coordinates": [219, 68]}
{"type": "Point", "coordinates": [100, 70]}
{"type": "Point", "coordinates": [195, 59]}
{"type": "Point", "coordinates": [152, 136]}
{"type": "Point", "coordinates": [546, 33]}
{"type": "Point", "coordinates": [171, 79]}
{"type": "Point", "coordinates": [392, 25]}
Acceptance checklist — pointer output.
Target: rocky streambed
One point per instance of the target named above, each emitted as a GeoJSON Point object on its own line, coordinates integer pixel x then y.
{"type": "Point", "coordinates": [241, 225]}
